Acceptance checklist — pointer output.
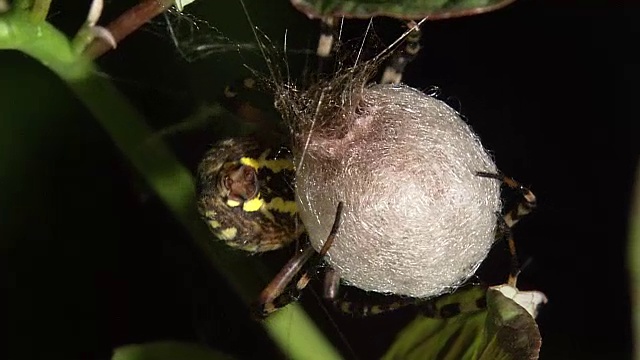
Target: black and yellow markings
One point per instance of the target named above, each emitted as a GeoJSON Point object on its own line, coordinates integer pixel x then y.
{"type": "Point", "coordinates": [325, 42]}
{"type": "Point", "coordinates": [246, 195]}
{"type": "Point", "coordinates": [465, 300]}
{"type": "Point", "coordinates": [524, 207]}
{"type": "Point", "coordinates": [397, 64]}
{"type": "Point", "coordinates": [268, 170]}
{"type": "Point", "coordinates": [363, 309]}
{"type": "Point", "coordinates": [510, 218]}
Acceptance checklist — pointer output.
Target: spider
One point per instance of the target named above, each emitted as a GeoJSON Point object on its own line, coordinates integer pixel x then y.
{"type": "Point", "coordinates": [261, 200]}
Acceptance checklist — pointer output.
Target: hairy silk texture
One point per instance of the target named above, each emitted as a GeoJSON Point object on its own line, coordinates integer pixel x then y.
{"type": "Point", "coordinates": [417, 221]}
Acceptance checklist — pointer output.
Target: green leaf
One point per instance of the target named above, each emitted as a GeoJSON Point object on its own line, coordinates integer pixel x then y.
{"type": "Point", "coordinates": [402, 9]}
{"type": "Point", "coordinates": [504, 330]}
{"type": "Point", "coordinates": [167, 350]}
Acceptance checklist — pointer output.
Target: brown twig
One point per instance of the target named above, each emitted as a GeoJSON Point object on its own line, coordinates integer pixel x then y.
{"type": "Point", "coordinates": [127, 23]}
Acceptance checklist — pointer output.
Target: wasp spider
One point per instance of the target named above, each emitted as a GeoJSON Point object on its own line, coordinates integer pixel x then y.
{"type": "Point", "coordinates": [391, 187]}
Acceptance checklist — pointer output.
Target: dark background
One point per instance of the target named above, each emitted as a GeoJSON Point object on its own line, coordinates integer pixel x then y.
{"type": "Point", "coordinates": [94, 261]}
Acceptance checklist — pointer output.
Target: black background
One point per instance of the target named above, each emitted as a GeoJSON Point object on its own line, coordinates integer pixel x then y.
{"type": "Point", "coordinates": [94, 261]}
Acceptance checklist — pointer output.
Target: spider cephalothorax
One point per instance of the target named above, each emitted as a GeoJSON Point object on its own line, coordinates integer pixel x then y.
{"type": "Point", "coordinates": [246, 197]}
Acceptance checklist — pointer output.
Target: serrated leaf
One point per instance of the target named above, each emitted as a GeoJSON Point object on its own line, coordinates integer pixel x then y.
{"type": "Point", "coordinates": [504, 330]}
{"type": "Point", "coordinates": [401, 9]}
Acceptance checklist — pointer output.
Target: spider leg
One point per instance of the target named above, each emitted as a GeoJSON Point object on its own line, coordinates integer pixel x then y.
{"type": "Point", "coordinates": [325, 42]}
{"type": "Point", "coordinates": [510, 218]}
{"type": "Point", "coordinates": [281, 291]}
{"type": "Point", "coordinates": [524, 207]}
{"type": "Point", "coordinates": [331, 286]}
{"type": "Point", "coordinates": [325, 50]}
{"type": "Point", "coordinates": [397, 64]}
{"type": "Point", "coordinates": [331, 292]}
{"type": "Point", "coordinates": [464, 300]}
{"type": "Point", "coordinates": [364, 308]}
{"type": "Point", "coordinates": [275, 296]}
{"type": "Point", "coordinates": [467, 299]}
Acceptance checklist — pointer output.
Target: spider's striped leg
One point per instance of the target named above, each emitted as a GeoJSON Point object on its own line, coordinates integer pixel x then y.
{"type": "Point", "coordinates": [510, 218]}
{"type": "Point", "coordinates": [394, 70]}
{"type": "Point", "coordinates": [281, 291]}
{"type": "Point", "coordinates": [440, 307]}
{"type": "Point", "coordinates": [331, 293]}
{"type": "Point", "coordinates": [361, 308]}
{"type": "Point", "coordinates": [464, 300]}
{"type": "Point", "coordinates": [326, 42]}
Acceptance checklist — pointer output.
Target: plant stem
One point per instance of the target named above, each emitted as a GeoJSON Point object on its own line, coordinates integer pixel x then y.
{"type": "Point", "coordinates": [633, 263]}
{"type": "Point", "coordinates": [43, 42]}
{"type": "Point", "coordinates": [127, 23]}
{"type": "Point", "coordinates": [22, 4]}
{"type": "Point", "coordinates": [40, 9]}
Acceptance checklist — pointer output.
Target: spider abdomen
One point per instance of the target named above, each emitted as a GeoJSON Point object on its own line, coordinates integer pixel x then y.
{"type": "Point", "coordinates": [417, 221]}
